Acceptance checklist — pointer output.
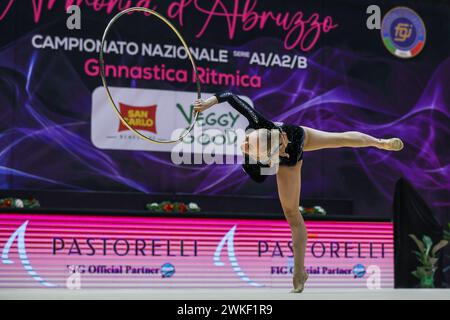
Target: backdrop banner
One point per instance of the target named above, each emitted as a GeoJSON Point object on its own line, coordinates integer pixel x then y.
{"type": "Point", "coordinates": [311, 63]}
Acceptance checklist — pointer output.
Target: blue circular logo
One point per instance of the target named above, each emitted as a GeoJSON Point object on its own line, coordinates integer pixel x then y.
{"type": "Point", "coordinates": [359, 270]}
{"type": "Point", "coordinates": [403, 32]}
{"type": "Point", "coordinates": [167, 270]}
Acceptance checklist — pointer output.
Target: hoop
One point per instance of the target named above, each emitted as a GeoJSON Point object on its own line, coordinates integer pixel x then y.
{"type": "Point", "coordinates": [105, 85]}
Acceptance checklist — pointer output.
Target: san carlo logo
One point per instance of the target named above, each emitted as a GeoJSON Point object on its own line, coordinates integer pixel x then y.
{"type": "Point", "coordinates": [403, 32]}
{"type": "Point", "coordinates": [140, 118]}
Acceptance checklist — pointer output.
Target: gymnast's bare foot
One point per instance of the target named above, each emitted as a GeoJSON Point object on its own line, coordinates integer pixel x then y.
{"type": "Point", "coordinates": [393, 144]}
{"type": "Point", "coordinates": [299, 281]}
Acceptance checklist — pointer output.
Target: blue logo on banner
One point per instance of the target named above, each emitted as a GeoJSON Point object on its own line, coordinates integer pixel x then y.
{"type": "Point", "coordinates": [20, 235]}
{"type": "Point", "coordinates": [228, 239]}
{"type": "Point", "coordinates": [167, 270]}
{"type": "Point", "coordinates": [359, 271]}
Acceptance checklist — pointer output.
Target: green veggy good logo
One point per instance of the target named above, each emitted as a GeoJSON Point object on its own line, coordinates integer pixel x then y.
{"type": "Point", "coordinates": [222, 120]}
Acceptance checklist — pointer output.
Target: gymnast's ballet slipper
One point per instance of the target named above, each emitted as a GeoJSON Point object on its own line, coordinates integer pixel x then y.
{"type": "Point", "coordinates": [394, 144]}
{"type": "Point", "coordinates": [301, 285]}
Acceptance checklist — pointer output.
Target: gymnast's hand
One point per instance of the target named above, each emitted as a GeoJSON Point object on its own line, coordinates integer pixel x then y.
{"type": "Point", "coordinates": [201, 105]}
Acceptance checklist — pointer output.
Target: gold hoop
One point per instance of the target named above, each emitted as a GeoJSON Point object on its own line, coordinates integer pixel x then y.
{"type": "Point", "coordinates": [105, 85]}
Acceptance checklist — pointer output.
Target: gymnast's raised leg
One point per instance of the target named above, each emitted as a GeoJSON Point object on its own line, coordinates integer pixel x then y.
{"type": "Point", "coordinates": [316, 140]}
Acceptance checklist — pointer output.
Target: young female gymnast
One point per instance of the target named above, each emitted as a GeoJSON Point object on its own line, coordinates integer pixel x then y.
{"type": "Point", "coordinates": [262, 149]}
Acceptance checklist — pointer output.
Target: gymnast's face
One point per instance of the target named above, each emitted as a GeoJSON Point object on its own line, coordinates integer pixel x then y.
{"type": "Point", "coordinates": [257, 145]}
{"type": "Point", "coordinates": [250, 146]}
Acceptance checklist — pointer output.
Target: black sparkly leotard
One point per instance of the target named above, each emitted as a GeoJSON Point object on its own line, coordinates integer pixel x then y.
{"type": "Point", "coordinates": [295, 134]}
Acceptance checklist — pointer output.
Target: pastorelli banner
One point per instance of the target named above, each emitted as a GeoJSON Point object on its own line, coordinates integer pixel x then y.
{"type": "Point", "coordinates": [380, 67]}
{"type": "Point", "coordinates": [62, 251]}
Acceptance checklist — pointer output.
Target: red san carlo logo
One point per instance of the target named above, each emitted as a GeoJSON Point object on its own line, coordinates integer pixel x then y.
{"type": "Point", "coordinates": [139, 118]}
{"type": "Point", "coordinates": [403, 32]}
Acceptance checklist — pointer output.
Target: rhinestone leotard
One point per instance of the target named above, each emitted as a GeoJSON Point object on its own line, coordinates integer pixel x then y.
{"type": "Point", "coordinates": [295, 134]}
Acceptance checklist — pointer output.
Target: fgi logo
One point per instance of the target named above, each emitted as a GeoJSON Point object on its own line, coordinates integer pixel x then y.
{"type": "Point", "coordinates": [20, 235]}
{"type": "Point", "coordinates": [229, 240]}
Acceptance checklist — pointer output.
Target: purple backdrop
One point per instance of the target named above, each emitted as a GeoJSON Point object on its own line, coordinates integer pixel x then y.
{"type": "Point", "coordinates": [351, 83]}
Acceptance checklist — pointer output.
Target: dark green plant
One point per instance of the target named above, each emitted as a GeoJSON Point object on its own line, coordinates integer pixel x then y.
{"type": "Point", "coordinates": [427, 258]}
{"type": "Point", "coordinates": [447, 237]}
{"type": "Point", "coordinates": [447, 233]}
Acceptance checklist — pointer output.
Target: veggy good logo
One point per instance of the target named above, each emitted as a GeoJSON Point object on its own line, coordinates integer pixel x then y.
{"type": "Point", "coordinates": [403, 32]}
{"type": "Point", "coordinates": [140, 118]}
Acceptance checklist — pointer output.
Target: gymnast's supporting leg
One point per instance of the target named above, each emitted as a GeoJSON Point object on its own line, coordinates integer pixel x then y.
{"type": "Point", "coordinates": [289, 185]}
{"type": "Point", "coordinates": [316, 140]}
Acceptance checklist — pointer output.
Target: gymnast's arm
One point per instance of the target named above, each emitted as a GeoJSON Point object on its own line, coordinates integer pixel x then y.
{"type": "Point", "coordinates": [255, 119]}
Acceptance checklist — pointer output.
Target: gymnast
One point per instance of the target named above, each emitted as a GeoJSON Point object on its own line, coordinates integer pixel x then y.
{"type": "Point", "coordinates": [268, 144]}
